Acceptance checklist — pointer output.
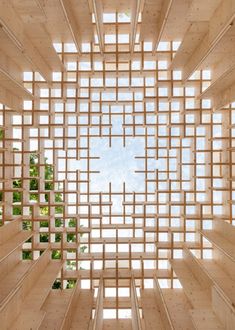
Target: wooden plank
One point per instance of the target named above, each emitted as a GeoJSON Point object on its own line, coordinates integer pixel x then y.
{"type": "Point", "coordinates": [220, 243]}
{"type": "Point", "coordinates": [55, 308]}
{"type": "Point", "coordinates": [163, 308]}
{"type": "Point", "coordinates": [193, 36]}
{"type": "Point", "coordinates": [117, 324]}
{"type": "Point", "coordinates": [135, 315]}
{"type": "Point", "coordinates": [151, 311]}
{"type": "Point", "coordinates": [37, 295]}
{"type": "Point", "coordinates": [162, 21]}
{"type": "Point", "coordinates": [72, 23]}
{"type": "Point", "coordinates": [10, 100]}
{"type": "Point", "coordinates": [8, 264]}
{"type": "Point", "coordinates": [82, 312]}
{"type": "Point", "coordinates": [97, 7]}
{"type": "Point", "coordinates": [98, 317]}
{"type": "Point", "coordinates": [16, 297]}
{"type": "Point", "coordinates": [223, 308]}
{"type": "Point", "coordinates": [197, 295]}
{"type": "Point", "coordinates": [224, 98]}
{"type": "Point", "coordinates": [225, 229]}
{"type": "Point", "coordinates": [9, 230]}
{"type": "Point", "coordinates": [219, 24]}
{"type": "Point", "coordinates": [135, 11]}
{"type": "Point", "coordinates": [13, 243]}
{"type": "Point", "coordinates": [179, 308]}
{"type": "Point", "coordinates": [195, 267]}
{"type": "Point", "coordinates": [71, 306]}
{"type": "Point", "coordinates": [13, 27]}
{"type": "Point", "coordinates": [13, 86]}
{"type": "Point", "coordinates": [205, 319]}
{"type": "Point", "coordinates": [220, 278]}
{"type": "Point", "coordinates": [10, 281]}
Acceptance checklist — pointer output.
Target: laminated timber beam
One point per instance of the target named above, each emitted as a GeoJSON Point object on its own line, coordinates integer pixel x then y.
{"type": "Point", "coordinates": [10, 100]}
{"type": "Point", "coordinates": [150, 310]}
{"type": "Point", "coordinates": [222, 90]}
{"type": "Point", "coordinates": [98, 13]}
{"type": "Point", "coordinates": [72, 23]}
{"type": "Point", "coordinates": [136, 321]}
{"type": "Point", "coordinates": [163, 309]}
{"type": "Point", "coordinates": [162, 21]}
{"type": "Point", "coordinates": [12, 92]}
{"type": "Point", "coordinates": [66, 323]}
{"type": "Point", "coordinates": [11, 67]}
{"type": "Point", "coordinates": [135, 11]}
{"type": "Point", "coordinates": [98, 317]}
{"type": "Point", "coordinates": [219, 24]}
{"type": "Point", "coordinates": [14, 29]}
{"type": "Point", "coordinates": [14, 86]}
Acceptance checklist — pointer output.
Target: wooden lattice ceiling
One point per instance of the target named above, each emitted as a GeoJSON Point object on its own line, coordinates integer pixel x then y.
{"type": "Point", "coordinates": [137, 74]}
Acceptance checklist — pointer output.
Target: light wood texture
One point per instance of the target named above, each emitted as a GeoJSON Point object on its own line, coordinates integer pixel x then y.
{"type": "Point", "coordinates": [81, 318]}
{"type": "Point", "coordinates": [151, 311]}
{"type": "Point", "coordinates": [117, 159]}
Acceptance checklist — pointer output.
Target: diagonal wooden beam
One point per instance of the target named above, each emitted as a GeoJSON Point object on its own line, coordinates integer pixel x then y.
{"type": "Point", "coordinates": [10, 100]}
{"type": "Point", "coordinates": [98, 13]}
{"type": "Point", "coordinates": [223, 98]}
{"type": "Point", "coordinates": [71, 21]}
{"type": "Point", "coordinates": [14, 85]}
{"type": "Point", "coordinates": [220, 23]}
{"type": "Point", "coordinates": [165, 11]}
{"type": "Point", "coordinates": [14, 29]}
{"type": "Point", "coordinates": [220, 84]}
{"type": "Point", "coordinates": [135, 11]}
{"type": "Point", "coordinates": [192, 38]}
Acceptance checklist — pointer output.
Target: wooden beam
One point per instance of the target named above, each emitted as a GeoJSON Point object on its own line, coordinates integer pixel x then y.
{"type": "Point", "coordinates": [224, 98]}
{"type": "Point", "coordinates": [222, 84]}
{"type": "Point", "coordinates": [220, 23]}
{"type": "Point", "coordinates": [72, 23]}
{"type": "Point", "coordinates": [98, 13]}
{"type": "Point", "coordinates": [165, 11]}
{"type": "Point", "coordinates": [193, 36]}
{"type": "Point", "coordinates": [14, 29]}
{"type": "Point", "coordinates": [14, 86]}
{"type": "Point", "coordinates": [165, 315]}
{"type": "Point", "coordinates": [135, 11]}
{"type": "Point", "coordinates": [10, 100]}
{"type": "Point", "coordinates": [71, 306]}
{"type": "Point", "coordinates": [135, 315]}
{"type": "Point", "coordinates": [98, 318]}
{"type": "Point", "coordinates": [9, 66]}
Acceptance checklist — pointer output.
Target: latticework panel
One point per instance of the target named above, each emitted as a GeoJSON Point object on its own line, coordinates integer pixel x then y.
{"type": "Point", "coordinates": [169, 167]}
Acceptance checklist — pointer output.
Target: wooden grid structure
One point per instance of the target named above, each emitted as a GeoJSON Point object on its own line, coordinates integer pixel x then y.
{"type": "Point", "coordinates": [75, 252]}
